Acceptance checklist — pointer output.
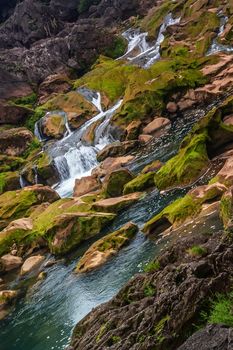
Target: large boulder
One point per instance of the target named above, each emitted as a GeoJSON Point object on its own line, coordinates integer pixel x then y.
{"type": "Point", "coordinates": [10, 262]}
{"type": "Point", "coordinates": [115, 181]}
{"type": "Point", "coordinates": [31, 264]}
{"type": "Point", "coordinates": [140, 183]}
{"type": "Point", "coordinates": [86, 185]}
{"type": "Point", "coordinates": [9, 181]}
{"type": "Point", "coordinates": [116, 149]}
{"type": "Point", "coordinates": [133, 130]}
{"type": "Point", "coordinates": [105, 248]}
{"type": "Point", "coordinates": [52, 85]}
{"type": "Point", "coordinates": [111, 164]}
{"type": "Point", "coordinates": [14, 142]}
{"type": "Point", "coordinates": [12, 114]}
{"type": "Point", "coordinates": [15, 204]}
{"type": "Point", "coordinates": [71, 229]}
{"type": "Point", "coordinates": [53, 126]}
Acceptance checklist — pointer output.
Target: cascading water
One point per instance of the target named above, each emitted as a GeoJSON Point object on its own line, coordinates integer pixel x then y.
{"type": "Point", "coordinates": [148, 53]}
{"type": "Point", "coordinates": [216, 46]}
{"type": "Point", "coordinates": [75, 159]}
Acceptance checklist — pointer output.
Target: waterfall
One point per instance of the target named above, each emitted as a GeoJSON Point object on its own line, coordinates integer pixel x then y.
{"type": "Point", "coordinates": [74, 159]}
{"type": "Point", "coordinates": [148, 53]}
{"type": "Point", "coordinates": [23, 183]}
{"type": "Point", "coordinates": [216, 46]}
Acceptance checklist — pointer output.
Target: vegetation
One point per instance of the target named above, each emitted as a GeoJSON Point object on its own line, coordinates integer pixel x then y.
{"type": "Point", "coordinates": [152, 266]}
{"type": "Point", "coordinates": [197, 251]}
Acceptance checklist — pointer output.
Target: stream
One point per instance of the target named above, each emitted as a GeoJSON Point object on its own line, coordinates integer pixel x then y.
{"type": "Point", "coordinates": [44, 320]}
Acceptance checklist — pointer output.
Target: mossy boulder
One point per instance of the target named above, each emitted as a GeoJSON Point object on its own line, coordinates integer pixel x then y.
{"type": "Point", "coordinates": [184, 209]}
{"type": "Point", "coordinates": [9, 181]}
{"type": "Point", "coordinates": [8, 163]}
{"type": "Point", "coordinates": [106, 247]}
{"type": "Point", "coordinates": [15, 204]}
{"type": "Point", "coordinates": [141, 183]}
{"type": "Point", "coordinates": [53, 126]}
{"type": "Point", "coordinates": [115, 181]}
{"type": "Point", "coordinates": [71, 229]}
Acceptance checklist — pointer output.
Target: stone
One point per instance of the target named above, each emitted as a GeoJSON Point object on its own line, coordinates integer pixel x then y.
{"type": "Point", "coordinates": [212, 337]}
{"type": "Point", "coordinates": [42, 276]}
{"type": "Point", "coordinates": [14, 142]}
{"type": "Point", "coordinates": [31, 264]}
{"type": "Point", "coordinates": [140, 183]}
{"type": "Point", "coordinates": [70, 229]}
{"type": "Point", "coordinates": [12, 114]}
{"type": "Point", "coordinates": [225, 175]}
{"type": "Point", "coordinates": [145, 138]}
{"type": "Point", "coordinates": [86, 185]}
{"type": "Point", "coordinates": [115, 181]}
{"type": "Point", "coordinates": [53, 85]}
{"type": "Point", "coordinates": [111, 164]}
{"type": "Point", "coordinates": [9, 262]}
{"type": "Point", "coordinates": [116, 149]}
{"type": "Point", "coordinates": [228, 120]}
{"type": "Point", "coordinates": [10, 181]}
{"type": "Point", "coordinates": [113, 205]}
{"type": "Point", "coordinates": [133, 130]}
{"type": "Point", "coordinates": [172, 107]}
{"type": "Point", "coordinates": [106, 247]}
{"type": "Point", "coordinates": [157, 127]}
{"type": "Point", "coordinates": [89, 135]}
{"type": "Point", "coordinates": [53, 126]}
{"type": "Point", "coordinates": [154, 166]}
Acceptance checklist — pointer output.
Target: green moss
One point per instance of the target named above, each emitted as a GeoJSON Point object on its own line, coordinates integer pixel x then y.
{"type": "Point", "coordinates": [149, 290]}
{"type": "Point", "coordinates": [8, 163]}
{"type": "Point", "coordinates": [187, 165]}
{"type": "Point", "coordinates": [114, 340]}
{"type": "Point", "coordinates": [152, 266]}
{"type": "Point", "coordinates": [114, 184]}
{"type": "Point", "coordinates": [102, 330]}
{"type": "Point", "coordinates": [32, 147]}
{"type": "Point", "coordinates": [117, 48]}
{"type": "Point", "coordinates": [226, 210]}
{"type": "Point", "coordinates": [2, 182]}
{"type": "Point", "coordinates": [197, 251]}
{"type": "Point", "coordinates": [221, 310]}
{"type": "Point", "coordinates": [26, 101]}
{"type": "Point", "coordinates": [140, 183]}
{"type": "Point", "coordinates": [159, 329]}
{"type": "Point", "coordinates": [36, 115]}
{"type": "Point", "coordinates": [18, 236]}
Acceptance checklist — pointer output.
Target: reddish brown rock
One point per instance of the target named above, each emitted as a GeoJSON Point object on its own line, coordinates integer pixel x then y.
{"type": "Point", "coordinates": [53, 85]}
{"type": "Point", "coordinates": [112, 205]}
{"type": "Point", "coordinates": [86, 185]}
{"type": "Point", "coordinates": [157, 127]}
{"type": "Point", "coordinates": [110, 164]}
{"type": "Point", "coordinates": [145, 138]}
{"type": "Point", "coordinates": [14, 142]}
{"type": "Point", "coordinates": [116, 149]}
{"type": "Point", "coordinates": [12, 114]}
{"type": "Point", "coordinates": [133, 130]}
{"type": "Point", "coordinates": [31, 264]}
{"type": "Point", "coordinates": [172, 107]}
{"type": "Point", "coordinates": [9, 262]}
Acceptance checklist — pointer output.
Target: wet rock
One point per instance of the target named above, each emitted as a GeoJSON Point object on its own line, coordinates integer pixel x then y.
{"type": "Point", "coordinates": [70, 229]}
{"type": "Point", "coordinates": [145, 138]}
{"type": "Point", "coordinates": [113, 205]}
{"type": "Point", "coordinates": [31, 264]}
{"type": "Point", "coordinates": [115, 181]}
{"type": "Point", "coordinates": [116, 149]}
{"type": "Point", "coordinates": [212, 337]}
{"type": "Point", "coordinates": [105, 248]}
{"type": "Point", "coordinates": [53, 126]}
{"type": "Point", "coordinates": [171, 107]}
{"type": "Point", "coordinates": [7, 299]}
{"type": "Point", "coordinates": [89, 136]}
{"type": "Point", "coordinates": [14, 142]}
{"type": "Point", "coordinates": [86, 185]}
{"type": "Point", "coordinates": [9, 262]}
{"type": "Point", "coordinates": [111, 164]}
{"type": "Point", "coordinates": [133, 130]}
{"type": "Point", "coordinates": [157, 127]}
{"type": "Point", "coordinates": [140, 183]}
{"type": "Point", "coordinates": [42, 276]}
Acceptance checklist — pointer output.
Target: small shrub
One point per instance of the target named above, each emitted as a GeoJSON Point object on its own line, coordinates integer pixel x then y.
{"type": "Point", "coordinates": [197, 251]}
{"type": "Point", "coordinates": [222, 310]}
{"type": "Point", "coordinates": [152, 266]}
{"type": "Point", "coordinates": [149, 290]}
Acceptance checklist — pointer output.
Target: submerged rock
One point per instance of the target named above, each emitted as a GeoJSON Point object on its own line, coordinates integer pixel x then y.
{"type": "Point", "coordinates": [105, 248]}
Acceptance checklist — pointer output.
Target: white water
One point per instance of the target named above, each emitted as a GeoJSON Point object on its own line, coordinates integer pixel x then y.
{"type": "Point", "coordinates": [73, 158]}
{"type": "Point", "coordinates": [139, 50]}
{"type": "Point", "coordinates": [216, 46]}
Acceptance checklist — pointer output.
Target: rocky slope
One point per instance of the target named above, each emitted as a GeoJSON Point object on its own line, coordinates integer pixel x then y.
{"type": "Point", "coordinates": [86, 108]}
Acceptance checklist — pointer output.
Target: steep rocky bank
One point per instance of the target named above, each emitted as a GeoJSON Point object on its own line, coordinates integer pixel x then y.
{"type": "Point", "coordinates": [116, 134]}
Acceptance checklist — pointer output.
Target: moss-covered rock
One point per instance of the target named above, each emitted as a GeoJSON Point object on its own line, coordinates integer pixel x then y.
{"type": "Point", "coordinates": [184, 209]}
{"type": "Point", "coordinates": [141, 183]}
{"type": "Point", "coordinates": [71, 229]}
{"type": "Point", "coordinates": [226, 209]}
{"type": "Point", "coordinates": [15, 204]}
{"type": "Point", "coordinates": [53, 126]}
{"type": "Point", "coordinates": [105, 248]}
{"type": "Point", "coordinates": [114, 205]}
{"type": "Point", "coordinates": [9, 181]}
{"type": "Point", "coordinates": [114, 182]}
{"type": "Point", "coordinates": [8, 163]}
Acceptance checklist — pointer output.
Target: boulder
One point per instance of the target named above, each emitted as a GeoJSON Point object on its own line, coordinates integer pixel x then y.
{"type": "Point", "coordinates": [89, 135]}
{"type": "Point", "coordinates": [9, 262]}
{"type": "Point", "coordinates": [157, 127]}
{"type": "Point", "coordinates": [53, 126]}
{"type": "Point", "coordinates": [70, 229]}
{"type": "Point", "coordinates": [105, 248]}
{"type": "Point", "coordinates": [31, 264]}
{"type": "Point", "coordinates": [140, 183]}
{"type": "Point", "coordinates": [7, 299]}
{"type": "Point", "coordinates": [86, 185]}
{"type": "Point", "coordinates": [172, 107]}
{"type": "Point", "coordinates": [15, 204]}
{"type": "Point", "coordinates": [145, 138]}
{"type": "Point", "coordinates": [113, 205]}
{"type": "Point", "coordinates": [133, 130]}
{"type": "Point", "coordinates": [53, 85]}
{"type": "Point", "coordinates": [110, 164]}
{"type": "Point", "coordinates": [225, 175]}
{"type": "Point", "coordinates": [12, 114]}
{"type": "Point", "coordinates": [116, 149]}
{"type": "Point", "coordinates": [9, 181]}
{"type": "Point", "coordinates": [14, 142]}
{"type": "Point", "coordinates": [212, 337]}
{"type": "Point", "coordinates": [115, 181]}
